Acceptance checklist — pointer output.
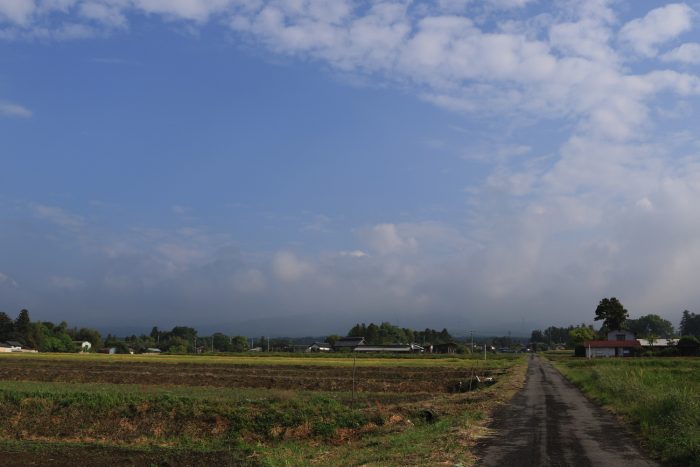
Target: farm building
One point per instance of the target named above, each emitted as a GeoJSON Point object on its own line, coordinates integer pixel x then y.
{"type": "Point", "coordinates": [14, 346]}
{"type": "Point", "coordinates": [393, 348]}
{"type": "Point", "coordinates": [5, 347]}
{"type": "Point", "coordinates": [620, 343]}
{"type": "Point", "coordinates": [348, 343]}
{"type": "Point", "coordinates": [658, 343]}
{"type": "Point", "coordinates": [319, 347]}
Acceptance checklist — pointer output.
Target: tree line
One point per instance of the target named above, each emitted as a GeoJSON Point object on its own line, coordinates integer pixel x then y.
{"type": "Point", "coordinates": [45, 336]}
{"type": "Point", "coordinates": [387, 333]}
{"type": "Point", "coordinates": [615, 316]}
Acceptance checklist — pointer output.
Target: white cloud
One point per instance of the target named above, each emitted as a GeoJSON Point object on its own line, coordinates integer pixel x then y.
{"type": "Point", "coordinates": [7, 281]}
{"type": "Point", "coordinates": [385, 239]}
{"type": "Point", "coordinates": [354, 254]}
{"type": "Point", "coordinates": [685, 53]}
{"type": "Point", "coordinates": [66, 283]}
{"type": "Point", "coordinates": [14, 110]}
{"type": "Point", "coordinates": [110, 15]}
{"type": "Point", "coordinates": [249, 281]}
{"type": "Point", "coordinates": [659, 26]}
{"type": "Point", "coordinates": [194, 10]}
{"type": "Point", "coordinates": [289, 268]}
{"type": "Point", "coordinates": [17, 11]}
{"type": "Point", "coordinates": [178, 209]}
{"type": "Point", "coordinates": [58, 216]}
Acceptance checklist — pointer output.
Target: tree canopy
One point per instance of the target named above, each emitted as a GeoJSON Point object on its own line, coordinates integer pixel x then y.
{"type": "Point", "coordinates": [690, 324]}
{"type": "Point", "coordinates": [387, 333]}
{"type": "Point", "coordinates": [649, 326]}
{"type": "Point", "coordinates": [612, 313]}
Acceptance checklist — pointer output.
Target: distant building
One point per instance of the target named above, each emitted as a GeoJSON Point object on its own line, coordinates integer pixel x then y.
{"type": "Point", "coordinates": [348, 343]}
{"type": "Point", "coordinates": [319, 347]}
{"type": "Point", "coordinates": [658, 343]}
{"type": "Point", "coordinates": [620, 343]}
{"type": "Point", "coordinates": [390, 348]}
{"type": "Point", "coordinates": [13, 346]}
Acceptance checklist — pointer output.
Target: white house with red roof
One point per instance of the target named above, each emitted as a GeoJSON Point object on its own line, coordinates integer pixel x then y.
{"type": "Point", "coordinates": [620, 343]}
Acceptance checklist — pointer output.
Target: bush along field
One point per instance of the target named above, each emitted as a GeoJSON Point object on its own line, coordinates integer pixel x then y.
{"type": "Point", "coordinates": [658, 397]}
{"type": "Point", "coordinates": [199, 419]}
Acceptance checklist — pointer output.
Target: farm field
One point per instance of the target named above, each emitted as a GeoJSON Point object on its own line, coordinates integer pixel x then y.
{"type": "Point", "coordinates": [271, 410]}
{"type": "Point", "coordinates": [658, 397]}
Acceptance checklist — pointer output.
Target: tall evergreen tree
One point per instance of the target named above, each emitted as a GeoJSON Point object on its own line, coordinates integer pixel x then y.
{"type": "Point", "coordinates": [22, 325]}
{"type": "Point", "coordinates": [612, 313]}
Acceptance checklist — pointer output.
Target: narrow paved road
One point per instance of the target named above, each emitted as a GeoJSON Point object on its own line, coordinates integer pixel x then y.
{"type": "Point", "coordinates": [550, 423]}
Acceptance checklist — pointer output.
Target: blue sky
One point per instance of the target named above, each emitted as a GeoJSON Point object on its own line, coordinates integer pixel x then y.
{"type": "Point", "coordinates": [296, 166]}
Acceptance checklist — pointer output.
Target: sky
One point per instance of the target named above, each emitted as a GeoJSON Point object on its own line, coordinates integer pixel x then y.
{"type": "Point", "coordinates": [293, 167]}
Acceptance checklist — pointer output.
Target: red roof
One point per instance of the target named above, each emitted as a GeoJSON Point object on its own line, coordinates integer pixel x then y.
{"type": "Point", "coordinates": [611, 344]}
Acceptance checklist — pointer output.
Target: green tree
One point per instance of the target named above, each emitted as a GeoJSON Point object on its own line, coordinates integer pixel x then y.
{"type": "Point", "coordinates": [239, 344]}
{"type": "Point", "coordinates": [650, 325]}
{"type": "Point", "coordinates": [332, 339]}
{"type": "Point", "coordinates": [690, 324]}
{"type": "Point", "coordinates": [222, 342]}
{"type": "Point", "coordinates": [688, 345]}
{"type": "Point", "coordinates": [372, 334]}
{"type": "Point", "coordinates": [7, 327]}
{"type": "Point", "coordinates": [93, 336]}
{"type": "Point", "coordinates": [580, 334]}
{"type": "Point", "coordinates": [21, 326]}
{"type": "Point", "coordinates": [612, 313]}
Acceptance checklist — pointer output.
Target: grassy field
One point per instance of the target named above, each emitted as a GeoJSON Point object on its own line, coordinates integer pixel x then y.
{"type": "Point", "coordinates": [247, 410]}
{"type": "Point", "coordinates": [658, 397]}
{"type": "Point", "coordinates": [311, 359]}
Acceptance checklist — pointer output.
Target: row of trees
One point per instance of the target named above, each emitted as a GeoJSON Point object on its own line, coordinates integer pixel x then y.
{"type": "Point", "coordinates": [568, 336]}
{"type": "Point", "coordinates": [45, 336]}
{"type": "Point", "coordinates": [179, 340]}
{"type": "Point", "coordinates": [387, 333]}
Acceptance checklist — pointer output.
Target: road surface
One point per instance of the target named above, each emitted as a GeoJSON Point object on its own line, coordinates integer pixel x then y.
{"type": "Point", "coordinates": [550, 423]}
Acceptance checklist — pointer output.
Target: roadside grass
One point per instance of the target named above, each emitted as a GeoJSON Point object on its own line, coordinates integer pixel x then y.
{"type": "Point", "coordinates": [659, 397]}
{"type": "Point", "coordinates": [250, 426]}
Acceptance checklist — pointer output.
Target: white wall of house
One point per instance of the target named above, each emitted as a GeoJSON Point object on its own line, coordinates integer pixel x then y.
{"type": "Point", "coordinates": [593, 352]}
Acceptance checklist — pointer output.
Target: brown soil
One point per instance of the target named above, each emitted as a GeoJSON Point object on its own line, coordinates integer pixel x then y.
{"type": "Point", "coordinates": [319, 378]}
{"type": "Point", "coordinates": [81, 455]}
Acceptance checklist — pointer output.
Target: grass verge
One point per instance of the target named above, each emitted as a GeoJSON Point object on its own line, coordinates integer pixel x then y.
{"type": "Point", "coordinates": [658, 397]}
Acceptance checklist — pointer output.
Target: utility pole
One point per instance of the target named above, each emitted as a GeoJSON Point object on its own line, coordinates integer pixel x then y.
{"type": "Point", "coordinates": [471, 350]}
